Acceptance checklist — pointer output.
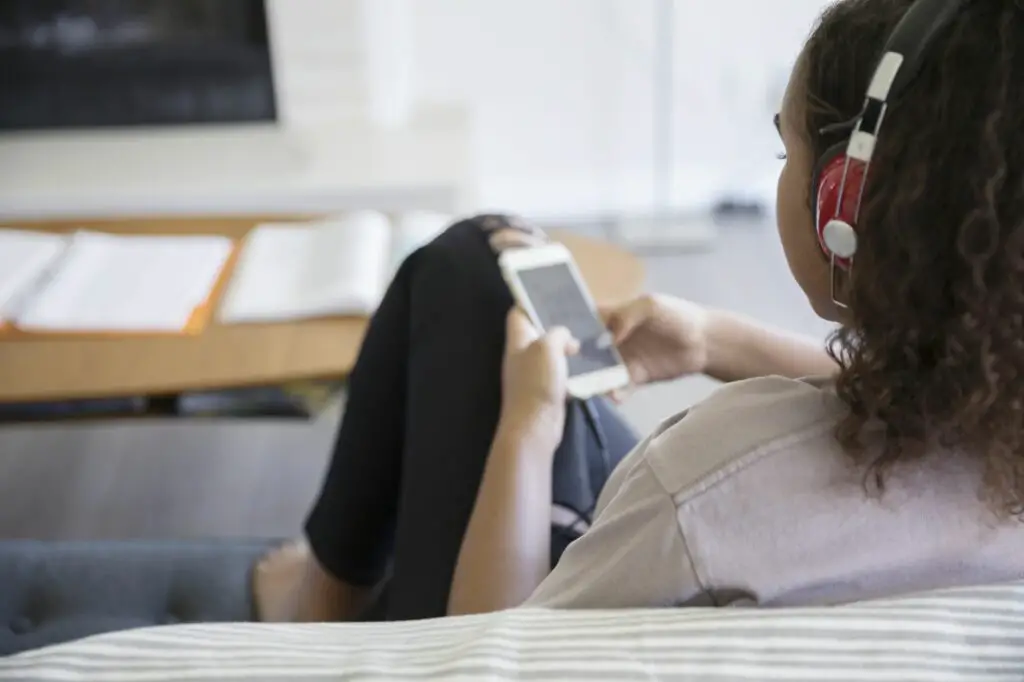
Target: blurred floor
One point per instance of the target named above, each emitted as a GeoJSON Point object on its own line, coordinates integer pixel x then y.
{"type": "Point", "coordinates": [166, 480]}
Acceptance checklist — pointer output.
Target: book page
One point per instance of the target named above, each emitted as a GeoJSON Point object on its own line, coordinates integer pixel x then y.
{"type": "Point", "coordinates": [303, 270]}
{"type": "Point", "coordinates": [348, 268]}
{"type": "Point", "coordinates": [128, 283]}
{"type": "Point", "coordinates": [25, 260]}
{"type": "Point", "coordinates": [268, 275]}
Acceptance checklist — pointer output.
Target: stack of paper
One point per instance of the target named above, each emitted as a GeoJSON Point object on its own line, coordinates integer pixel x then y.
{"type": "Point", "coordinates": [26, 258]}
{"type": "Point", "coordinates": [288, 271]}
{"type": "Point", "coordinates": [332, 267]}
{"type": "Point", "coordinates": [127, 283]}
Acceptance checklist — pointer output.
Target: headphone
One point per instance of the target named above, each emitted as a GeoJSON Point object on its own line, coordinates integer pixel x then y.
{"type": "Point", "coordinates": [837, 184]}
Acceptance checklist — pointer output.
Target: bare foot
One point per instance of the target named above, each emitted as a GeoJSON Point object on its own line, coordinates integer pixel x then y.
{"type": "Point", "coordinates": [277, 581]}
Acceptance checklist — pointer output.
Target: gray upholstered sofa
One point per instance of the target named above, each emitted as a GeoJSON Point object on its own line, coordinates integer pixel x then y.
{"type": "Point", "coordinates": [54, 592]}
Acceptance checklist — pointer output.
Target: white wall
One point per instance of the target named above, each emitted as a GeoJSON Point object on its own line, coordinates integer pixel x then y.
{"type": "Point", "coordinates": [561, 91]}
{"type": "Point", "coordinates": [318, 59]}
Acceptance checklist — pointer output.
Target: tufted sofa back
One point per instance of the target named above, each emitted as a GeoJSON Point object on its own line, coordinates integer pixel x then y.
{"type": "Point", "coordinates": [54, 592]}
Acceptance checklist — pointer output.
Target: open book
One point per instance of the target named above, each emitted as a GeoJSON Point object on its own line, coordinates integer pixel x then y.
{"type": "Point", "coordinates": [26, 257]}
{"type": "Point", "coordinates": [98, 282]}
{"type": "Point", "coordinates": [337, 266]}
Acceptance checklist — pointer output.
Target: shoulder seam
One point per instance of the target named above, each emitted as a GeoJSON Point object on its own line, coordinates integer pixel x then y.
{"type": "Point", "coordinates": [714, 479]}
{"type": "Point", "coordinates": [679, 527]}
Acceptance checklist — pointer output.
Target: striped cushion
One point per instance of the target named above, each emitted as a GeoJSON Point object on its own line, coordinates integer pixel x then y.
{"type": "Point", "coordinates": [974, 635]}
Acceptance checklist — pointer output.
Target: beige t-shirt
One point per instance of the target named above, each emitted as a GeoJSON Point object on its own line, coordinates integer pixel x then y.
{"type": "Point", "coordinates": [746, 499]}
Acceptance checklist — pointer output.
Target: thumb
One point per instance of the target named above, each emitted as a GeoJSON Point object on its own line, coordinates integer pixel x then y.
{"type": "Point", "coordinates": [561, 340]}
{"type": "Point", "coordinates": [623, 320]}
{"type": "Point", "coordinates": [519, 331]}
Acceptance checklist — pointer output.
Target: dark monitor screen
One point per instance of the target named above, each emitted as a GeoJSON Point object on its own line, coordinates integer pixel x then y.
{"type": "Point", "coordinates": [101, 63]}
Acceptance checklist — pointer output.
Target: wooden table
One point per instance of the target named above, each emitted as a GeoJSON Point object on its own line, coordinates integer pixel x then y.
{"type": "Point", "coordinates": [228, 356]}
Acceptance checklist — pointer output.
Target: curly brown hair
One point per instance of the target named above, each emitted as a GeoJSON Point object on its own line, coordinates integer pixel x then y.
{"type": "Point", "coordinates": [932, 351]}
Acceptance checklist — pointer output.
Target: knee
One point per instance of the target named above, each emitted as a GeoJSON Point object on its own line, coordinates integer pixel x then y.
{"type": "Point", "coordinates": [470, 230]}
{"type": "Point", "coordinates": [458, 267]}
{"type": "Point", "coordinates": [461, 244]}
{"type": "Point", "coordinates": [464, 247]}
{"type": "Point", "coordinates": [465, 254]}
{"type": "Point", "coordinates": [498, 231]}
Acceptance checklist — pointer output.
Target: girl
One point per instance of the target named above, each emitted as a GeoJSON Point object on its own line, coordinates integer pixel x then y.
{"type": "Point", "coordinates": [901, 468]}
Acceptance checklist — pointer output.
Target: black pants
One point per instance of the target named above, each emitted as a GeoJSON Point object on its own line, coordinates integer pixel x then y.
{"type": "Point", "coordinates": [423, 404]}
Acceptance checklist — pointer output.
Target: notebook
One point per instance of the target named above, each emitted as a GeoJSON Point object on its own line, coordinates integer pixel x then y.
{"type": "Point", "coordinates": [128, 284]}
{"type": "Point", "coordinates": [332, 267]}
{"type": "Point", "coordinates": [26, 257]}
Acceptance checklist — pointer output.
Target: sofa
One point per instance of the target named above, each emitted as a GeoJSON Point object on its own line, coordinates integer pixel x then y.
{"type": "Point", "coordinates": [53, 592]}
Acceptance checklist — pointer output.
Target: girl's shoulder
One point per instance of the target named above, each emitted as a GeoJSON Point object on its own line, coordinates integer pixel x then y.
{"type": "Point", "coordinates": [740, 423]}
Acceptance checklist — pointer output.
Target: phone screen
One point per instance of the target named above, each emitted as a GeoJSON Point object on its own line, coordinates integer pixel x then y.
{"type": "Point", "coordinates": [558, 302]}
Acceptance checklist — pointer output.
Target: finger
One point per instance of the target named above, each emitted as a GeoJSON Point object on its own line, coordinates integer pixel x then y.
{"type": "Point", "coordinates": [562, 341]}
{"type": "Point", "coordinates": [519, 331]}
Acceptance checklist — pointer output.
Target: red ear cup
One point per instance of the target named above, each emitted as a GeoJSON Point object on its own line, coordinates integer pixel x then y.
{"type": "Point", "coordinates": [836, 229]}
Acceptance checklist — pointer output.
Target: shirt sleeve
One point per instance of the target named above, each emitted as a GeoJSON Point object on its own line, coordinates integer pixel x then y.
{"type": "Point", "coordinates": [633, 556]}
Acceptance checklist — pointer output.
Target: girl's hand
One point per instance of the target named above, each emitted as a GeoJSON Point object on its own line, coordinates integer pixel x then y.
{"type": "Point", "coordinates": [660, 337]}
{"type": "Point", "coordinates": [534, 377]}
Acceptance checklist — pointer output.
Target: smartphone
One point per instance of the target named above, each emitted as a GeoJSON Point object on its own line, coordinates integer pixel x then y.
{"type": "Point", "coordinates": [546, 284]}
